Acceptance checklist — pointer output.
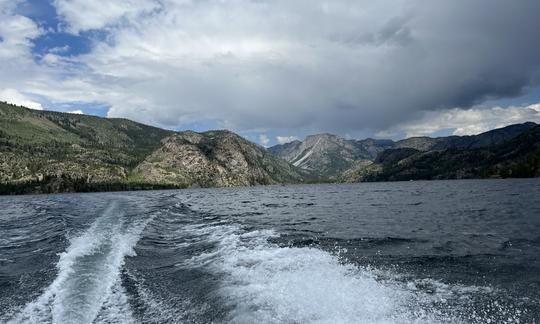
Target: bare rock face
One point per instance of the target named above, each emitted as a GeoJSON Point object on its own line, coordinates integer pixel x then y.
{"type": "Point", "coordinates": [329, 155]}
{"type": "Point", "coordinates": [214, 159]}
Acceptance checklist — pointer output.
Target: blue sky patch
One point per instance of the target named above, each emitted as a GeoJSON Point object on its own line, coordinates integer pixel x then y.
{"type": "Point", "coordinates": [61, 43]}
{"type": "Point", "coordinates": [88, 108]}
{"type": "Point", "coordinates": [55, 39]}
{"type": "Point", "coordinates": [40, 11]}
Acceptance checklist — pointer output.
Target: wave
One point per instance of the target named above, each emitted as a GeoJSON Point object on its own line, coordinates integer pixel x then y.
{"type": "Point", "coordinates": [265, 283]}
{"type": "Point", "coordinates": [88, 278]}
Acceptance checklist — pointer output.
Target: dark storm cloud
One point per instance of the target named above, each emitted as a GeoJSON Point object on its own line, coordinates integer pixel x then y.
{"type": "Point", "coordinates": [449, 54]}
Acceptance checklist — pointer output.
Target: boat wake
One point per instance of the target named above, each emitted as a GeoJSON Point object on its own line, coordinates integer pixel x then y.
{"type": "Point", "coordinates": [263, 282]}
{"type": "Point", "coordinates": [87, 285]}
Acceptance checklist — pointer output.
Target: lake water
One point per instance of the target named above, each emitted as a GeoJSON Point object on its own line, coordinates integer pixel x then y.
{"type": "Point", "coordinates": [402, 252]}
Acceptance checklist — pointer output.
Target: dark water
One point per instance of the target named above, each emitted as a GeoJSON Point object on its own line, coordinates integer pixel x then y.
{"type": "Point", "coordinates": [418, 252]}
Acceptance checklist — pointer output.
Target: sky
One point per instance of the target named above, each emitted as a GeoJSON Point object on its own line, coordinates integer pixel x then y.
{"type": "Point", "coordinates": [278, 70]}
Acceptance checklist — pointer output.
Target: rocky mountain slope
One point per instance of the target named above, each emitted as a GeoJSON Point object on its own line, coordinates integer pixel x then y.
{"type": "Point", "coordinates": [329, 155]}
{"type": "Point", "coordinates": [215, 158]}
{"type": "Point", "coordinates": [516, 157]}
{"type": "Point", "coordinates": [337, 158]}
{"type": "Point", "coordinates": [43, 151]}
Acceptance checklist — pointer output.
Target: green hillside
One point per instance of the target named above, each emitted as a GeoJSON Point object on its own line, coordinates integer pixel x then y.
{"type": "Point", "coordinates": [44, 151]}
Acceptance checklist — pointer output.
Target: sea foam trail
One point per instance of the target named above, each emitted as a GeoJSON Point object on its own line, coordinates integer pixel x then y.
{"type": "Point", "coordinates": [88, 276]}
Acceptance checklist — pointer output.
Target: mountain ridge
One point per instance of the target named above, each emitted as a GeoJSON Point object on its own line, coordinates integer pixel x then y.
{"type": "Point", "coordinates": [518, 157]}
{"type": "Point", "coordinates": [338, 155]}
{"type": "Point", "coordinates": [44, 152]}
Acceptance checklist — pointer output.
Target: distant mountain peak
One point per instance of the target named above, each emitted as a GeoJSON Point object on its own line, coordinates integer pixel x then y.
{"type": "Point", "coordinates": [330, 155]}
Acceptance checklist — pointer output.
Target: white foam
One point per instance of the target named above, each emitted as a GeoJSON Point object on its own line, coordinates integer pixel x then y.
{"type": "Point", "coordinates": [88, 274]}
{"type": "Point", "coordinates": [265, 283]}
{"type": "Point", "coordinates": [116, 308]}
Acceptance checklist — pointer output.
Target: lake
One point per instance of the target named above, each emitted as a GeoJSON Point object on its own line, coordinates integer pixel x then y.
{"type": "Point", "coordinates": [399, 252]}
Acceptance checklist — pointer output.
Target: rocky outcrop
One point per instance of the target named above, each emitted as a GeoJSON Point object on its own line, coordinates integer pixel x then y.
{"type": "Point", "coordinates": [214, 159]}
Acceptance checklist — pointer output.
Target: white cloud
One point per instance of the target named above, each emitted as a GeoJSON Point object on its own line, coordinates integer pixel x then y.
{"type": "Point", "coordinates": [7, 6]}
{"type": "Point", "coordinates": [17, 67]}
{"type": "Point", "coordinates": [535, 107]}
{"type": "Point", "coordinates": [286, 139]}
{"type": "Point", "coordinates": [465, 122]}
{"type": "Point", "coordinates": [81, 15]}
{"type": "Point", "coordinates": [264, 140]}
{"type": "Point", "coordinates": [16, 33]}
{"type": "Point", "coordinates": [59, 49]}
{"type": "Point", "coordinates": [13, 96]}
{"type": "Point", "coordinates": [78, 112]}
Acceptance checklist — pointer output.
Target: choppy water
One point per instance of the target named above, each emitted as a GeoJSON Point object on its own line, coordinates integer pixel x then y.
{"type": "Point", "coordinates": [418, 252]}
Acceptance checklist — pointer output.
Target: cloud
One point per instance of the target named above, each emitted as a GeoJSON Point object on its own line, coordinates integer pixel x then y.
{"type": "Point", "coordinates": [13, 96]}
{"type": "Point", "coordinates": [283, 66]}
{"type": "Point", "coordinates": [264, 140]}
{"type": "Point", "coordinates": [286, 139]}
{"type": "Point", "coordinates": [16, 33]}
{"type": "Point", "coordinates": [265, 64]}
{"type": "Point", "coordinates": [17, 67]}
{"type": "Point", "coordinates": [59, 49]}
{"type": "Point", "coordinates": [78, 112]}
{"type": "Point", "coordinates": [7, 6]}
{"type": "Point", "coordinates": [81, 15]}
{"type": "Point", "coordinates": [465, 122]}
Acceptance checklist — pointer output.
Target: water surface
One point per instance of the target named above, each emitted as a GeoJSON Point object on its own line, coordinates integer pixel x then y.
{"type": "Point", "coordinates": [405, 252]}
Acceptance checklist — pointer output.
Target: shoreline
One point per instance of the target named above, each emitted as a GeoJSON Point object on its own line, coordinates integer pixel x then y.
{"type": "Point", "coordinates": [123, 187]}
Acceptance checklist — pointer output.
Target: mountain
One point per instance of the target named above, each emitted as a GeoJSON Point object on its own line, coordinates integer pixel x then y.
{"type": "Point", "coordinates": [516, 157]}
{"type": "Point", "coordinates": [214, 159]}
{"type": "Point", "coordinates": [490, 138]}
{"type": "Point", "coordinates": [329, 155]}
{"type": "Point", "coordinates": [337, 158]}
{"type": "Point", "coordinates": [44, 151]}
